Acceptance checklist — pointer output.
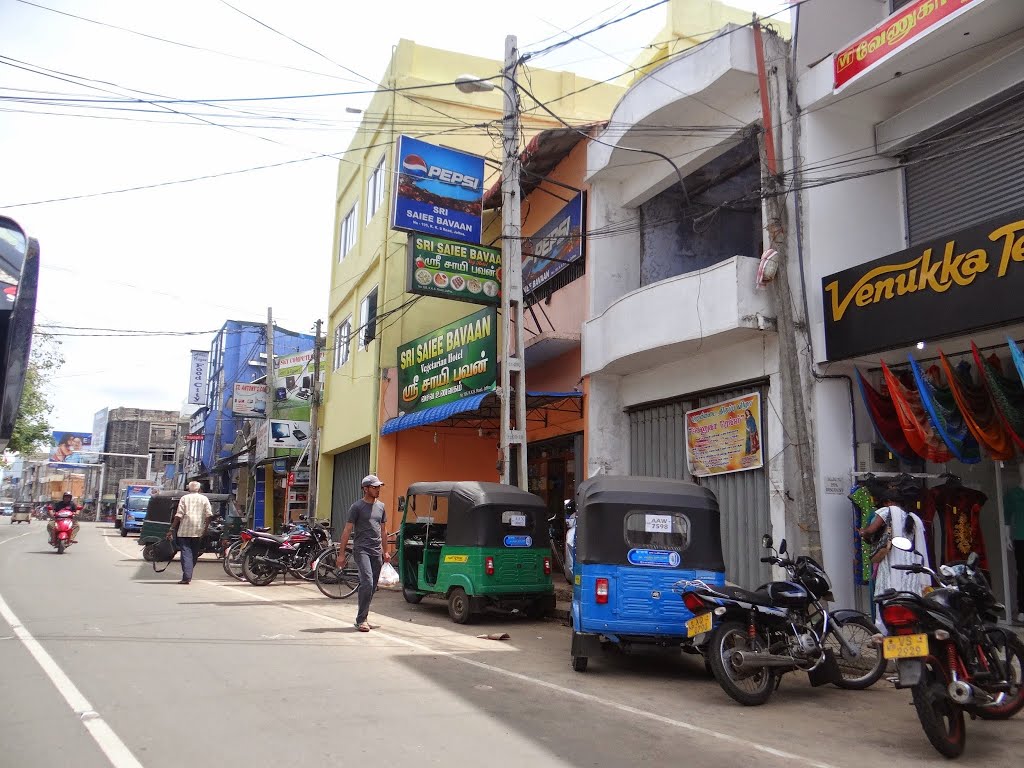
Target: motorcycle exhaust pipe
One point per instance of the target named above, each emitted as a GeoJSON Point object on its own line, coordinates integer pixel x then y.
{"type": "Point", "coordinates": [964, 693]}
{"type": "Point", "coordinates": [746, 661]}
{"type": "Point", "coordinates": [268, 561]}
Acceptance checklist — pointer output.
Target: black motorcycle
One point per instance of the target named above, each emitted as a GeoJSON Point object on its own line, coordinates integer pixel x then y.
{"type": "Point", "coordinates": [950, 652]}
{"type": "Point", "coordinates": [750, 639]}
{"type": "Point", "coordinates": [265, 555]}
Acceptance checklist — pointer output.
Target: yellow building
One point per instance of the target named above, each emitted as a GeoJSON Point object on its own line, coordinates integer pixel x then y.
{"type": "Point", "coordinates": [368, 274]}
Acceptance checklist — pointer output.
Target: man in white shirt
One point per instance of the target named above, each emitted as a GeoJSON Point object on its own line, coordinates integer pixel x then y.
{"type": "Point", "coordinates": [189, 525]}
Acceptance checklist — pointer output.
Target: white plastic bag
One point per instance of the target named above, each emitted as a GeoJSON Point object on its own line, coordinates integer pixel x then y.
{"type": "Point", "coordinates": [388, 577]}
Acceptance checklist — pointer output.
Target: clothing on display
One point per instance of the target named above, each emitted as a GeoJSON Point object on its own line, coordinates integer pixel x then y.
{"type": "Point", "coordinates": [940, 404]}
{"type": "Point", "coordinates": [1007, 395]}
{"type": "Point", "coordinates": [958, 510]}
{"type": "Point", "coordinates": [979, 413]}
{"type": "Point", "coordinates": [921, 434]}
{"type": "Point", "coordinates": [884, 419]}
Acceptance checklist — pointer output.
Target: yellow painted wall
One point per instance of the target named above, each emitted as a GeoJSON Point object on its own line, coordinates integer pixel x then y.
{"type": "Point", "coordinates": [350, 410]}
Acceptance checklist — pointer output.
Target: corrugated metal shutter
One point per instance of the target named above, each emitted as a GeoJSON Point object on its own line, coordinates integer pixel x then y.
{"type": "Point", "coordinates": [658, 448]}
{"type": "Point", "coordinates": [350, 468]}
{"type": "Point", "coordinates": [967, 176]}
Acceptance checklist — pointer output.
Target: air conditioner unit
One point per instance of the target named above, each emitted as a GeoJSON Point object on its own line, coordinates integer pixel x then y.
{"type": "Point", "coordinates": [876, 457]}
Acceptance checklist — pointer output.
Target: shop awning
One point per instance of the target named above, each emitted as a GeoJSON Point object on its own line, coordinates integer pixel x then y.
{"type": "Point", "coordinates": [477, 410]}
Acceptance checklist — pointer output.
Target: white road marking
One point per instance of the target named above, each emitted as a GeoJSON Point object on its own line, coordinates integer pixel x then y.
{"type": "Point", "coordinates": [117, 753]}
{"type": "Point", "coordinates": [730, 739]}
{"type": "Point", "coordinates": [4, 541]}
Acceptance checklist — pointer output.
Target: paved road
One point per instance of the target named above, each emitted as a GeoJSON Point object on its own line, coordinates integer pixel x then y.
{"type": "Point", "coordinates": [130, 668]}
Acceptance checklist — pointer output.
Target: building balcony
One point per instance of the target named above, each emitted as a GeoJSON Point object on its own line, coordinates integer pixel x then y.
{"type": "Point", "coordinates": [695, 312]}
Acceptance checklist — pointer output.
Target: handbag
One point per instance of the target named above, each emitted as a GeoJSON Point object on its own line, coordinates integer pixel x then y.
{"type": "Point", "coordinates": [883, 539]}
{"type": "Point", "coordinates": [163, 552]}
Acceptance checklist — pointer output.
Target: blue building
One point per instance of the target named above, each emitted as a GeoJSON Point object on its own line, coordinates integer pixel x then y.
{"type": "Point", "coordinates": [237, 355]}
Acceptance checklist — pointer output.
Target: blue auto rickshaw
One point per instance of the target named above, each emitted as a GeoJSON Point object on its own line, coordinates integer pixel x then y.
{"type": "Point", "coordinates": [635, 539]}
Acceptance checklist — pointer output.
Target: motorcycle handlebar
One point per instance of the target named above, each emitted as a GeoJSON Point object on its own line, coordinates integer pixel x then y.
{"type": "Point", "coordinates": [767, 559]}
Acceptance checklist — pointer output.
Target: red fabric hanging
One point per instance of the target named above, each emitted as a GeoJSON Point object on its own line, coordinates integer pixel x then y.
{"type": "Point", "coordinates": [979, 414]}
{"type": "Point", "coordinates": [920, 432]}
{"type": "Point", "coordinates": [883, 417]}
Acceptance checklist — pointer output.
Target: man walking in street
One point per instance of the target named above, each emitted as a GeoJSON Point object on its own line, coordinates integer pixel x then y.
{"type": "Point", "coordinates": [367, 526]}
{"type": "Point", "coordinates": [189, 525]}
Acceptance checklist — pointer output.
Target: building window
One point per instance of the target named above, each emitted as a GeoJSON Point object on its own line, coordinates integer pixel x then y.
{"type": "Point", "coordinates": [368, 319]}
{"type": "Point", "coordinates": [375, 190]}
{"type": "Point", "coordinates": [162, 434]}
{"type": "Point", "coordinates": [347, 237]}
{"type": "Point", "coordinates": [342, 337]}
{"type": "Point", "coordinates": [168, 456]}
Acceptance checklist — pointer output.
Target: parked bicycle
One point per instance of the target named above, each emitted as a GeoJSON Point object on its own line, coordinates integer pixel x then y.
{"type": "Point", "coordinates": [339, 583]}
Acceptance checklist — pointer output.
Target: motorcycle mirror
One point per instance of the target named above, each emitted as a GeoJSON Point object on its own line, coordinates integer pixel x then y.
{"type": "Point", "coordinates": [972, 559]}
{"type": "Point", "coordinates": [903, 543]}
{"type": "Point", "coordinates": [782, 547]}
{"type": "Point", "coordinates": [766, 541]}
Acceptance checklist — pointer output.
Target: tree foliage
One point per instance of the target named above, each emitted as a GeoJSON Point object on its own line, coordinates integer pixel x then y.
{"type": "Point", "coordinates": [32, 425]}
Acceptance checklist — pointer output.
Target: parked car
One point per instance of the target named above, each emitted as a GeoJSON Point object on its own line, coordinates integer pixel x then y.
{"type": "Point", "coordinates": [7, 510]}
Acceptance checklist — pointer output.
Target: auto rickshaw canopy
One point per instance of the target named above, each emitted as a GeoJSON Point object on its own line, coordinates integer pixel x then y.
{"type": "Point", "coordinates": [607, 507]}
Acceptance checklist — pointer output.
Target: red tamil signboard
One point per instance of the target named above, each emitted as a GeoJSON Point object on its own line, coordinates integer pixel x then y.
{"type": "Point", "coordinates": [892, 35]}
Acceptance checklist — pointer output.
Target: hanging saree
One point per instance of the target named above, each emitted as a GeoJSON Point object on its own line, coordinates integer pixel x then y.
{"type": "Point", "coordinates": [921, 434]}
{"type": "Point", "coordinates": [1018, 358]}
{"type": "Point", "coordinates": [884, 419]}
{"type": "Point", "coordinates": [941, 407]}
{"type": "Point", "coordinates": [1007, 395]}
{"type": "Point", "coordinates": [978, 411]}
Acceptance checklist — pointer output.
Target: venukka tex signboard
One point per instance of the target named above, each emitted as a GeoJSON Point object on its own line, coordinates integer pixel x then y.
{"type": "Point", "coordinates": [452, 270]}
{"type": "Point", "coordinates": [951, 285]}
{"type": "Point", "coordinates": [554, 246]}
{"type": "Point", "coordinates": [725, 437]}
{"type": "Point", "coordinates": [455, 361]}
{"type": "Point", "coordinates": [439, 191]}
{"type": "Point", "coordinates": [894, 34]}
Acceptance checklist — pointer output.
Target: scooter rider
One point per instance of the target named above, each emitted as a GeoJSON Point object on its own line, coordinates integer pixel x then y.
{"type": "Point", "coordinates": [66, 503]}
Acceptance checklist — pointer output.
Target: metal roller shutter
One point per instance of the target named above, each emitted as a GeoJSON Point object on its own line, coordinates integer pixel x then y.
{"type": "Point", "coordinates": [350, 468]}
{"type": "Point", "coordinates": [658, 448]}
{"type": "Point", "coordinates": [968, 175]}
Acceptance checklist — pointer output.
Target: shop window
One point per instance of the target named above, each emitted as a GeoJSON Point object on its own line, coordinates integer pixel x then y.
{"type": "Point", "coordinates": [657, 529]}
{"type": "Point", "coordinates": [368, 319]}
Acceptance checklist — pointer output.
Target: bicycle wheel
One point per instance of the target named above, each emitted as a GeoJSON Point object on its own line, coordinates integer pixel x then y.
{"type": "Point", "coordinates": [333, 582]}
{"type": "Point", "coordinates": [233, 561]}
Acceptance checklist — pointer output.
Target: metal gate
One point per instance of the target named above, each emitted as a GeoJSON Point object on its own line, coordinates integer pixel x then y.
{"type": "Point", "coordinates": [658, 448]}
{"type": "Point", "coordinates": [968, 175]}
{"type": "Point", "coordinates": [350, 467]}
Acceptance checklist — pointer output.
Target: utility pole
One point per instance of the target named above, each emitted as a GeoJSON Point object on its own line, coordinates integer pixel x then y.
{"type": "Point", "coordinates": [314, 420]}
{"type": "Point", "coordinates": [513, 368]}
{"type": "Point", "coordinates": [799, 454]}
{"type": "Point", "coordinates": [268, 467]}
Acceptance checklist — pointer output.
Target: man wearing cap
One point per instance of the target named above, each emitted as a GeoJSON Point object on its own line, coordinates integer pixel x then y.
{"type": "Point", "coordinates": [366, 525]}
{"type": "Point", "coordinates": [65, 503]}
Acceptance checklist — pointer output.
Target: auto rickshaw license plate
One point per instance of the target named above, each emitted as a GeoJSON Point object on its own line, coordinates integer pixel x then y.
{"type": "Point", "coordinates": [905, 646]}
{"type": "Point", "coordinates": [698, 625]}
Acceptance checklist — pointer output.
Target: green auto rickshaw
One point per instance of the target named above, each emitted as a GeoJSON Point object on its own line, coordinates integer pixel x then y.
{"type": "Point", "coordinates": [161, 509]}
{"type": "Point", "coordinates": [478, 545]}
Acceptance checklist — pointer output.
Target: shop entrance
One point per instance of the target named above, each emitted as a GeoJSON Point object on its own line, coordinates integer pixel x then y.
{"type": "Point", "coordinates": [553, 467]}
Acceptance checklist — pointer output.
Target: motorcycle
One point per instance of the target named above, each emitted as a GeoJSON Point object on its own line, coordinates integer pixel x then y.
{"type": "Point", "coordinates": [750, 639]}
{"type": "Point", "coordinates": [950, 652]}
{"type": "Point", "coordinates": [62, 530]}
{"type": "Point", "coordinates": [265, 555]}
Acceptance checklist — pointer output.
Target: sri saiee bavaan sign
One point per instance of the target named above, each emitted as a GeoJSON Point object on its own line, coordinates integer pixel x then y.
{"type": "Point", "coordinates": [455, 361]}
{"type": "Point", "coordinates": [968, 280]}
{"type": "Point", "coordinates": [452, 270]}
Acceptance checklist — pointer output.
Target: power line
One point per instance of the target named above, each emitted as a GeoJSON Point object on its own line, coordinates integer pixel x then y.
{"type": "Point", "coordinates": [555, 46]}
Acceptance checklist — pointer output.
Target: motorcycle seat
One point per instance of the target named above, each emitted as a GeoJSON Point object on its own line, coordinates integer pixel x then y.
{"type": "Point", "coordinates": [760, 597]}
{"type": "Point", "coordinates": [270, 537]}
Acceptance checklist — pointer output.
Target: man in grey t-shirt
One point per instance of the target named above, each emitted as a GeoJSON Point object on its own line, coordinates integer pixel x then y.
{"type": "Point", "coordinates": [367, 526]}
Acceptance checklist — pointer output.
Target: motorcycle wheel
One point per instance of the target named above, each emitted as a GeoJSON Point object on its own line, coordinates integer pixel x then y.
{"type": "Point", "coordinates": [60, 546]}
{"type": "Point", "coordinates": [865, 670]}
{"type": "Point", "coordinates": [257, 574]}
{"type": "Point", "coordinates": [333, 582]}
{"type": "Point", "coordinates": [1011, 653]}
{"type": "Point", "coordinates": [233, 561]}
{"type": "Point", "coordinates": [749, 689]}
{"type": "Point", "coordinates": [941, 719]}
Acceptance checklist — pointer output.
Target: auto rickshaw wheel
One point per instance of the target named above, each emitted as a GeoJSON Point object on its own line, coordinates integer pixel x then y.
{"type": "Point", "coordinates": [459, 606]}
{"type": "Point", "coordinates": [124, 531]}
{"type": "Point", "coordinates": [411, 595]}
{"type": "Point", "coordinates": [579, 663]}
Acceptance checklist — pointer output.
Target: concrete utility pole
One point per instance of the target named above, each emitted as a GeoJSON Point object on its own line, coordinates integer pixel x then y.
{"type": "Point", "coordinates": [799, 452]}
{"type": "Point", "coordinates": [314, 419]}
{"type": "Point", "coordinates": [268, 468]}
{"type": "Point", "coordinates": [513, 368]}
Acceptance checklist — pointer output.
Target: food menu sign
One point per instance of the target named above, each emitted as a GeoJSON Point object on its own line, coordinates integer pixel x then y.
{"type": "Point", "coordinates": [455, 361]}
{"type": "Point", "coordinates": [725, 437]}
{"type": "Point", "coordinates": [899, 30]}
{"type": "Point", "coordinates": [439, 191]}
{"type": "Point", "coordinates": [453, 270]}
{"type": "Point", "coordinates": [554, 246]}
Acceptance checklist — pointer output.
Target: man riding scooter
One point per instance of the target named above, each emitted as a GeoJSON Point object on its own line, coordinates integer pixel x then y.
{"type": "Point", "coordinates": [65, 503]}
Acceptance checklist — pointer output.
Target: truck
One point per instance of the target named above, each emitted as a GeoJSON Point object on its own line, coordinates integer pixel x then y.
{"type": "Point", "coordinates": [132, 502]}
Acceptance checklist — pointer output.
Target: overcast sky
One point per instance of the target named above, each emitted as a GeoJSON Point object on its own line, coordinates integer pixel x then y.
{"type": "Point", "coordinates": [186, 257]}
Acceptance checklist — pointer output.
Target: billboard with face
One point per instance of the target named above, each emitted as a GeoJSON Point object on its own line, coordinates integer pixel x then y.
{"type": "Point", "coordinates": [72, 448]}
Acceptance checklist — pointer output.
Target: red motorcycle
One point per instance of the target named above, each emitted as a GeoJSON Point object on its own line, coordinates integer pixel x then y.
{"type": "Point", "coordinates": [62, 530]}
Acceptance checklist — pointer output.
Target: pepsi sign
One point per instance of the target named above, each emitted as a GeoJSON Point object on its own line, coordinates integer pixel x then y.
{"type": "Point", "coordinates": [439, 191]}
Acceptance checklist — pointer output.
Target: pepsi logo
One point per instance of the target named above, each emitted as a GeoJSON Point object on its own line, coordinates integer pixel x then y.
{"type": "Point", "coordinates": [415, 164]}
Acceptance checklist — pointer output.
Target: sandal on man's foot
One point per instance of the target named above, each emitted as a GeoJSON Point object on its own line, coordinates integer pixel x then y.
{"type": "Point", "coordinates": [363, 627]}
